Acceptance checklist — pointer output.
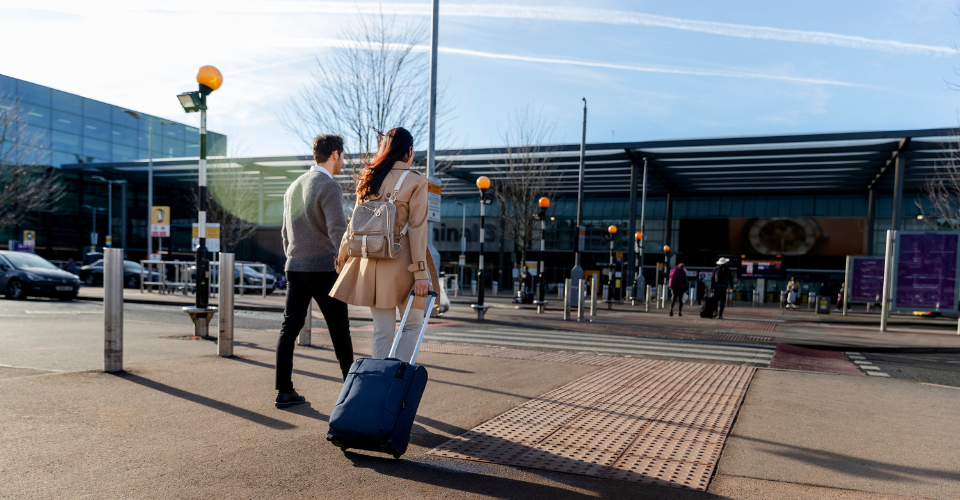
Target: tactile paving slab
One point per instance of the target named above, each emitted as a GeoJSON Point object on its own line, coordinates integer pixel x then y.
{"type": "Point", "coordinates": [647, 421]}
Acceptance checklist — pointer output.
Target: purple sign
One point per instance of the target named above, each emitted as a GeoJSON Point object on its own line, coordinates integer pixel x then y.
{"type": "Point", "coordinates": [926, 276]}
{"type": "Point", "coordinates": [866, 279]}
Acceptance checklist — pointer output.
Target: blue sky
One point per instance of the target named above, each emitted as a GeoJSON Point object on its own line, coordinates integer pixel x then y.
{"type": "Point", "coordinates": [649, 70]}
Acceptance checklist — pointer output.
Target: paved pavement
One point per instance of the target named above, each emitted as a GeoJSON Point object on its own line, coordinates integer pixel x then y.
{"type": "Point", "coordinates": [184, 423]}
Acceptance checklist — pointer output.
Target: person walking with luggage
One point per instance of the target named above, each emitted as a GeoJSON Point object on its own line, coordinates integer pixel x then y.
{"type": "Point", "coordinates": [722, 280]}
{"type": "Point", "coordinates": [793, 293]}
{"type": "Point", "coordinates": [313, 225]}
{"type": "Point", "coordinates": [678, 285]}
{"type": "Point", "coordinates": [383, 284]}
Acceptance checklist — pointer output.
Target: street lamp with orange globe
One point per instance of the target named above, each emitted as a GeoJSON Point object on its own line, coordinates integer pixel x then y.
{"type": "Point", "coordinates": [209, 79]}
{"type": "Point", "coordinates": [541, 216]}
{"type": "Point", "coordinates": [611, 233]}
{"type": "Point", "coordinates": [483, 184]}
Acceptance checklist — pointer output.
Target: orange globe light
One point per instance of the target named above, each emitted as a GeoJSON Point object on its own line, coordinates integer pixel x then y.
{"type": "Point", "coordinates": [210, 76]}
{"type": "Point", "coordinates": [666, 248]}
{"type": "Point", "coordinates": [483, 182]}
{"type": "Point", "coordinates": [544, 202]}
{"type": "Point", "coordinates": [612, 229]}
{"type": "Point", "coordinates": [638, 236]}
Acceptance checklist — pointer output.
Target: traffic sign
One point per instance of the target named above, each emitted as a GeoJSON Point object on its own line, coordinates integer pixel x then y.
{"type": "Point", "coordinates": [619, 255]}
{"type": "Point", "coordinates": [463, 260]}
{"type": "Point", "coordinates": [160, 221]}
{"type": "Point", "coordinates": [433, 199]}
{"type": "Point", "coordinates": [213, 236]}
{"type": "Point", "coordinates": [29, 238]}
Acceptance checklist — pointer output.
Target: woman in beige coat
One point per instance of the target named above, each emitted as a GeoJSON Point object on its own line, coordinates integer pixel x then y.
{"type": "Point", "coordinates": [385, 284]}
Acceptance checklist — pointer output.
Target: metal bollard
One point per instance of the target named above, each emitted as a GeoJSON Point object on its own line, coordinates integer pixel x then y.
{"type": "Point", "coordinates": [225, 302]}
{"type": "Point", "coordinates": [496, 287]}
{"type": "Point", "coordinates": [263, 282]}
{"type": "Point", "coordinates": [633, 300]}
{"type": "Point", "coordinates": [783, 299]}
{"type": "Point", "coordinates": [646, 300]}
{"type": "Point", "coordinates": [566, 299]}
{"type": "Point", "coordinates": [811, 301]}
{"type": "Point", "coordinates": [113, 310]}
{"type": "Point", "coordinates": [593, 297]}
{"type": "Point", "coordinates": [580, 299]}
{"type": "Point", "coordinates": [306, 333]}
{"type": "Point", "coordinates": [562, 289]}
{"type": "Point", "coordinates": [607, 296]}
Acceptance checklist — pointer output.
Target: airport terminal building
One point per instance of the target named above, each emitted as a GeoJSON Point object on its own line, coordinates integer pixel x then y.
{"type": "Point", "coordinates": [804, 202]}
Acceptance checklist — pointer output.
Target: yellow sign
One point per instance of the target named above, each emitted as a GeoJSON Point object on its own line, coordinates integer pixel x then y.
{"type": "Point", "coordinates": [620, 255]}
{"type": "Point", "coordinates": [213, 231]}
{"type": "Point", "coordinates": [160, 222]}
{"type": "Point", "coordinates": [29, 238]}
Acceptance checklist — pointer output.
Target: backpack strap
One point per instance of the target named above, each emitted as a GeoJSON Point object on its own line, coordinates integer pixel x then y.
{"type": "Point", "coordinates": [393, 197]}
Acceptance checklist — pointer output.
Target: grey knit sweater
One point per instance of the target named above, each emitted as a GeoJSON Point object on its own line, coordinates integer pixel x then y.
{"type": "Point", "coordinates": [313, 223]}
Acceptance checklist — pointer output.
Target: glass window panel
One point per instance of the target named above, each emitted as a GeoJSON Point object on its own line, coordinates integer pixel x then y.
{"type": "Point", "coordinates": [193, 132]}
{"type": "Point", "coordinates": [217, 145]}
{"type": "Point", "coordinates": [33, 93]}
{"type": "Point", "coordinates": [70, 103]}
{"type": "Point", "coordinates": [38, 116]}
{"type": "Point", "coordinates": [143, 154]}
{"type": "Point", "coordinates": [173, 148]}
{"type": "Point", "coordinates": [725, 205]}
{"type": "Point", "coordinates": [193, 149]}
{"type": "Point", "coordinates": [796, 207]}
{"type": "Point", "coordinates": [884, 206]}
{"type": "Point", "coordinates": [121, 118]}
{"type": "Point", "coordinates": [66, 122]}
{"type": "Point", "coordinates": [96, 129]}
{"type": "Point", "coordinates": [96, 109]}
{"type": "Point", "coordinates": [59, 159]}
{"type": "Point", "coordinates": [67, 143]}
{"type": "Point", "coordinates": [98, 150]}
{"type": "Point", "coordinates": [809, 206]}
{"type": "Point", "coordinates": [714, 209]}
{"type": "Point", "coordinates": [173, 131]}
{"type": "Point", "coordinates": [124, 136]}
{"type": "Point", "coordinates": [748, 207]}
{"type": "Point", "coordinates": [736, 207]}
{"type": "Point", "coordinates": [124, 153]}
{"type": "Point", "coordinates": [860, 207]}
{"type": "Point", "coordinates": [846, 207]}
{"type": "Point", "coordinates": [38, 156]}
{"type": "Point", "coordinates": [703, 208]}
{"type": "Point", "coordinates": [772, 207]}
{"type": "Point", "coordinates": [834, 207]}
{"type": "Point", "coordinates": [822, 206]}
{"type": "Point", "coordinates": [8, 86]}
{"type": "Point", "coordinates": [39, 136]}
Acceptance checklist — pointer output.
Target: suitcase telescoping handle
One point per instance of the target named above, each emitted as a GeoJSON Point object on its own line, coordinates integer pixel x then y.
{"type": "Point", "coordinates": [431, 298]}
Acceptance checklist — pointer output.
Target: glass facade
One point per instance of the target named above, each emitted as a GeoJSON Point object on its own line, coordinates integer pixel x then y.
{"type": "Point", "coordinates": [73, 129]}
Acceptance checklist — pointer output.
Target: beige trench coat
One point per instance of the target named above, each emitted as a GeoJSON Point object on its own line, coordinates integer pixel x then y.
{"type": "Point", "coordinates": [386, 283]}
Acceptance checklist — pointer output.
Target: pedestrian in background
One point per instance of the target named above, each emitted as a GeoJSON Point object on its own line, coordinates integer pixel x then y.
{"type": "Point", "coordinates": [722, 280]}
{"type": "Point", "coordinates": [793, 293]}
{"type": "Point", "coordinates": [313, 225]}
{"type": "Point", "coordinates": [678, 285]}
{"type": "Point", "coordinates": [385, 284]}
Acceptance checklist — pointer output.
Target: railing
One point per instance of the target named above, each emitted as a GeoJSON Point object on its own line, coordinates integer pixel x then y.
{"type": "Point", "coordinates": [176, 276]}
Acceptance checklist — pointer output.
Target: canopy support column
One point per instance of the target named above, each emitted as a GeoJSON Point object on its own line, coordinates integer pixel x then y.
{"type": "Point", "coordinates": [871, 216]}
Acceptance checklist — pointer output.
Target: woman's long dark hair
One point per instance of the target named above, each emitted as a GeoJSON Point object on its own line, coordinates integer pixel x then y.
{"type": "Point", "coordinates": [394, 146]}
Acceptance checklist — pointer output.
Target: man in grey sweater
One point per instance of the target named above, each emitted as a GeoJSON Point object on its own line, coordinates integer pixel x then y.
{"type": "Point", "coordinates": [313, 225]}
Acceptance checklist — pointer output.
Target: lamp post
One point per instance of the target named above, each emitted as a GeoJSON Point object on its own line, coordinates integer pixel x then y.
{"type": "Point", "coordinates": [463, 246]}
{"type": "Point", "coordinates": [209, 79]}
{"type": "Point", "coordinates": [541, 216]}
{"type": "Point", "coordinates": [149, 171]}
{"type": "Point", "coordinates": [637, 238]}
{"type": "Point", "coordinates": [93, 235]}
{"type": "Point", "coordinates": [611, 232]}
{"type": "Point", "coordinates": [666, 273]}
{"type": "Point", "coordinates": [483, 183]}
{"type": "Point", "coordinates": [110, 184]}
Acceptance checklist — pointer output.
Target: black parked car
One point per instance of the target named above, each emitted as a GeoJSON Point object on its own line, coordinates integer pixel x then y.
{"type": "Point", "coordinates": [23, 274]}
{"type": "Point", "coordinates": [92, 274]}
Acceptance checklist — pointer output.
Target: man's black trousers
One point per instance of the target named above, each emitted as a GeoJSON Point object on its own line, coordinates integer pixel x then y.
{"type": "Point", "coordinates": [302, 287]}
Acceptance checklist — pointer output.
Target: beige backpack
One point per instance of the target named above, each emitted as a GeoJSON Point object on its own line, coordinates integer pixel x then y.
{"type": "Point", "coordinates": [371, 228]}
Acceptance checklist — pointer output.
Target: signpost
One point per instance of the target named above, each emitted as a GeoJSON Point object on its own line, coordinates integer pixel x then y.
{"type": "Point", "coordinates": [866, 279]}
{"type": "Point", "coordinates": [921, 272]}
{"type": "Point", "coordinates": [433, 200]}
{"type": "Point", "coordinates": [213, 236]}
{"type": "Point", "coordinates": [30, 239]}
{"type": "Point", "coordinates": [160, 222]}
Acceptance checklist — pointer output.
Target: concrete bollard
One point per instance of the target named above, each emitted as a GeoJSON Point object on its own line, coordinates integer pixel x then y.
{"type": "Point", "coordinates": [113, 310]}
{"type": "Point", "coordinates": [306, 333]}
{"type": "Point", "coordinates": [566, 299]}
{"type": "Point", "coordinates": [225, 281]}
{"type": "Point", "coordinates": [581, 301]}
{"type": "Point", "coordinates": [593, 297]}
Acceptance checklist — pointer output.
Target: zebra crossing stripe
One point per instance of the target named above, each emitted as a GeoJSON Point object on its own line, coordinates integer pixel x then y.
{"type": "Point", "coordinates": [681, 350]}
{"type": "Point", "coordinates": [553, 335]}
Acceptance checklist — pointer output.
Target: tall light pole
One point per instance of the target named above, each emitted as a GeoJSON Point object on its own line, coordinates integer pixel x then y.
{"type": "Point", "coordinates": [638, 238]}
{"type": "Point", "coordinates": [432, 119]}
{"type": "Point", "coordinates": [93, 235]}
{"type": "Point", "coordinates": [483, 184]}
{"type": "Point", "coordinates": [544, 203]}
{"type": "Point", "coordinates": [463, 245]}
{"type": "Point", "coordinates": [643, 214]}
{"type": "Point", "coordinates": [576, 274]}
{"type": "Point", "coordinates": [209, 79]}
{"type": "Point", "coordinates": [149, 171]}
{"type": "Point", "coordinates": [110, 184]}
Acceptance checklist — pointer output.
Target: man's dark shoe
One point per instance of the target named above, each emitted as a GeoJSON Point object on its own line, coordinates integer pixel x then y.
{"type": "Point", "coordinates": [285, 400]}
{"type": "Point", "coordinates": [671, 312]}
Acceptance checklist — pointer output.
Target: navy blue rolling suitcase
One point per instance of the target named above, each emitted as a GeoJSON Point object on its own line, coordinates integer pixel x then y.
{"type": "Point", "coordinates": [380, 397]}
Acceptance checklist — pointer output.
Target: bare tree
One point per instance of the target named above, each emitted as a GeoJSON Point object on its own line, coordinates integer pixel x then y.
{"type": "Point", "coordinates": [943, 190]}
{"type": "Point", "coordinates": [526, 174]}
{"type": "Point", "coordinates": [233, 198]}
{"type": "Point", "coordinates": [28, 184]}
{"type": "Point", "coordinates": [376, 80]}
